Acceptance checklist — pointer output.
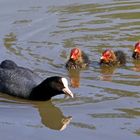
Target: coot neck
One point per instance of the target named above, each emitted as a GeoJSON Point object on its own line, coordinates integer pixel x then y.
{"type": "Point", "coordinates": [43, 91]}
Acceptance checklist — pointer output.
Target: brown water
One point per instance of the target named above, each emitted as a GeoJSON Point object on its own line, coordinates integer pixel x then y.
{"type": "Point", "coordinates": [39, 34]}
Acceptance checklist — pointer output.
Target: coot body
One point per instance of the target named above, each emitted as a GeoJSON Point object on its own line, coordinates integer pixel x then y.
{"type": "Point", "coordinates": [23, 82]}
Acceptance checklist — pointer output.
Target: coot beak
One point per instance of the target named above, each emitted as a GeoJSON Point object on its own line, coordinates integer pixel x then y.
{"type": "Point", "coordinates": [68, 92]}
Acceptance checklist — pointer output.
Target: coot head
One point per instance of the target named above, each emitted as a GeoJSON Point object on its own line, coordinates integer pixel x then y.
{"type": "Point", "coordinates": [59, 84]}
{"type": "Point", "coordinates": [136, 51]}
{"type": "Point", "coordinates": [50, 87]}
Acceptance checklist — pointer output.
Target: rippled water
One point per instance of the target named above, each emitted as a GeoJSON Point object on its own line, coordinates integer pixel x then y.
{"type": "Point", "coordinates": [39, 35]}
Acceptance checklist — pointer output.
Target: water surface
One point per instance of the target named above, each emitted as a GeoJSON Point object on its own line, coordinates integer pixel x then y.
{"type": "Point", "coordinates": [39, 35]}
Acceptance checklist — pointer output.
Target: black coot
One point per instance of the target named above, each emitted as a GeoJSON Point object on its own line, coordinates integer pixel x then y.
{"type": "Point", "coordinates": [23, 82]}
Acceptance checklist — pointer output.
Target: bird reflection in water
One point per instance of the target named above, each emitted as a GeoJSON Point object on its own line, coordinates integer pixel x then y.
{"type": "Point", "coordinates": [74, 76]}
{"type": "Point", "coordinates": [107, 73]}
{"type": "Point", "coordinates": [136, 65]}
{"type": "Point", "coordinates": [51, 116]}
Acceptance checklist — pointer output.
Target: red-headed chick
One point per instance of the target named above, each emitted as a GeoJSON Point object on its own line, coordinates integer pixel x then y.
{"type": "Point", "coordinates": [77, 60]}
{"type": "Point", "coordinates": [110, 57]}
{"type": "Point", "coordinates": [136, 51]}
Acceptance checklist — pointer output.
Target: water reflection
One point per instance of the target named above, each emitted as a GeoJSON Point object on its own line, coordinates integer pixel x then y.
{"type": "Point", "coordinates": [123, 113]}
{"type": "Point", "coordinates": [132, 112]}
{"type": "Point", "coordinates": [10, 40]}
{"type": "Point", "coordinates": [74, 76]}
{"type": "Point", "coordinates": [52, 117]}
{"type": "Point", "coordinates": [136, 65]}
{"type": "Point", "coordinates": [137, 132]}
{"type": "Point", "coordinates": [107, 73]}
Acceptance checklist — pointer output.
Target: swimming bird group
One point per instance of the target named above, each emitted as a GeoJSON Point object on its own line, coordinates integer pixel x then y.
{"type": "Point", "coordinates": [23, 82]}
{"type": "Point", "coordinates": [79, 60]}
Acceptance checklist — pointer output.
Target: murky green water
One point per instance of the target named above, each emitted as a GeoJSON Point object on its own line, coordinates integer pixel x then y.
{"type": "Point", "coordinates": [39, 34]}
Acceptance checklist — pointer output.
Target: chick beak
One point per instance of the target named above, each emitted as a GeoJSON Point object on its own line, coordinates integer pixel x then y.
{"type": "Point", "coordinates": [136, 50]}
{"type": "Point", "coordinates": [102, 58]}
{"type": "Point", "coordinates": [73, 57]}
{"type": "Point", "coordinates": [68, 92]}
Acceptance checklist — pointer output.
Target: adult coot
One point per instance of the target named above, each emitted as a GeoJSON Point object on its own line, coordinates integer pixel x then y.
{"type": "Point", "coordinates": [136, 51]}
{"type": "Point", "coordinates": [23, 82]}
{"type": "Point", "coordinates": [78, 59]}
{"type": "Point", "coordinates": [112, 58]}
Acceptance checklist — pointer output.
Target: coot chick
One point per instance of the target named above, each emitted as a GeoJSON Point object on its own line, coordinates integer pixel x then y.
{"type": "Point", "coordinates": [136, 51]}
{"type": "Point", "coordinates": [16, 81]}
{"type": "Point", "coordinates": [112, 58]}
{"type": "Point", "coordinates": [78, 60]}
